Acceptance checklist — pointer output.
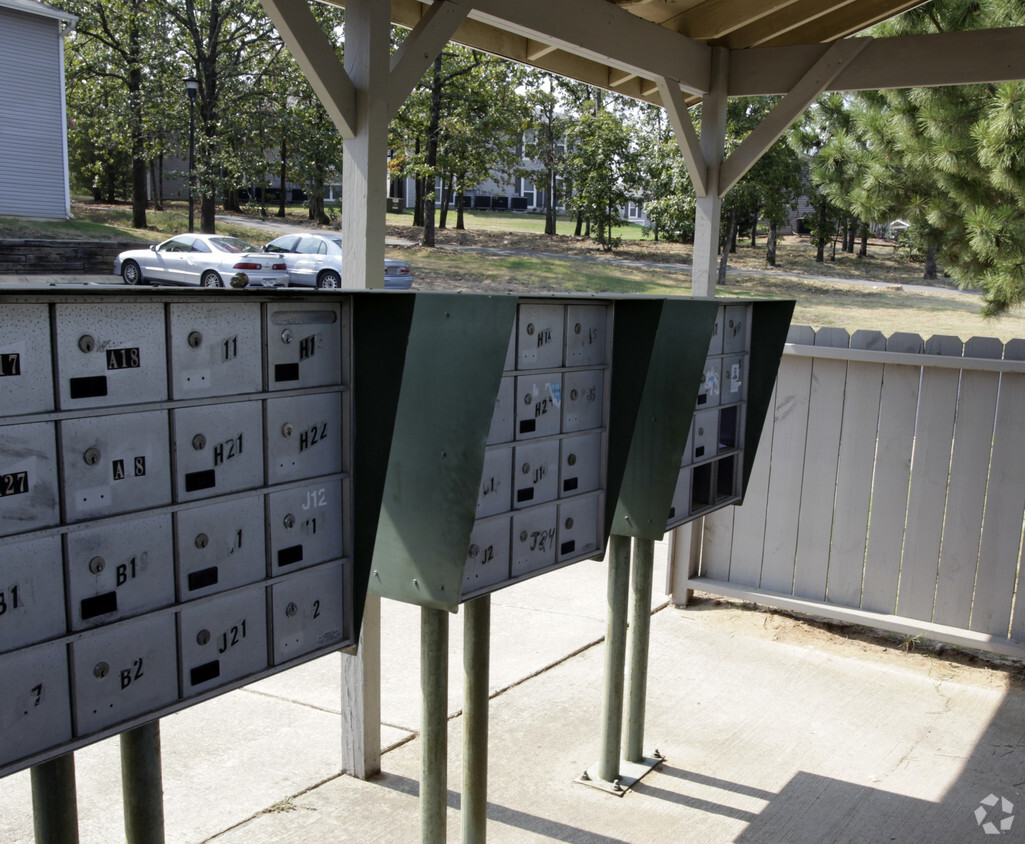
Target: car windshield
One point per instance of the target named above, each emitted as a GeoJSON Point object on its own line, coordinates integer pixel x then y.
{"type": "Point", "coordinates": [231, 244]}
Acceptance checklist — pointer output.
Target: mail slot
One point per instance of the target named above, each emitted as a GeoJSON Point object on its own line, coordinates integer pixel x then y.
{"type": "Point", "coordinates": [705, 433]}
{"type": "Point", "coordinates": [539, 338]}
{"type": "Point", "coordinates": [218, 449]}
{"type": "Point", "coordinates": [581, 464]}
{"type": "Point", "coordinates": [28, 477]}
{"type": "Point", "coordinates": [585, 334]}
{"type": "Point", "coordinates": [680, 507]}
{"type": "Point", "coordinates": [223, 639]}
{"type": "Point", "coordinates": [496, 483]}
{"type": "Point", "coordinates": [726, 481]}
{"type": "Point", "coordinates": [715, 345]}
{"type": "Point", "coordinates": [305, 526]}
{"type": "Point", "coordinates": [534, 537]}
{"type": "Point", "coordinates": [220, 546]}
{"type": "Point", "coordinates": [734, 377]}
{"type": "Point", "coordinates": [701, 491]}
{"type": "Point", "coordinates": [31, 592]}
{"type": "Point", "coordinates": [538, 405]}
{"type": "Point", "coordinates": [710, 390]}
{"type": "Point", "coordinates": [310, 612]}
{"type": "Point", "coordinates": [583, 400]}
{"type": "Point", "coordinates": [535, 473]}
{"type": "Point", "coordinates": [215, 351]}
{"type": "Point", "coordinates": [120, 571]}
{"type": "Point", "coordinates": [304, 437]}
{"type": "Point", "coordinates": [122, 671]}
{"type": "Point", "coordinates": [110, 354]}
{"type": "Point", "coordinates": [734, 329]}
{"type": "Point", "coordinates": [304, 345]}
{"type": "Point", "coordinates": [115, 464]}
{"type": "Point", "coordinates": [26, 365]}
{"type": "Point", "coordinates": [487, 558]}
{"type": "Point", "coordinates": [505, 410]}
{"type": "Point", "coordinates": [578, 531]}
{"type": "Point", "coordinates": [729, 427]}
{"type": "Point", "coordinates": [35, 708]}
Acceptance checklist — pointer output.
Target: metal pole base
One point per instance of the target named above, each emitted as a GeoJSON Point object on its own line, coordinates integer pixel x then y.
{"type": "Point", "coordinates": [630, 773]}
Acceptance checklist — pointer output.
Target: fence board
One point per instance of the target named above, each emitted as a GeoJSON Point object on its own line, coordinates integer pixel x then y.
{"type": "Point", "coordinates": [1015, 350]}
{"type": "Point", "coordinates": [1005, 506]}
{"type": "Point", "coordinates": [898, 407]}
{"type": "Point", "coordinates": [966, 496]}
{"type": "Point", "coordinates": [930, 470]}
{"type": "Point", "coordinates": [854, 474]}
{"type": "Point", "coordinates": [825, 412]}
{"type": "Point", "coordinates": [717, 544]}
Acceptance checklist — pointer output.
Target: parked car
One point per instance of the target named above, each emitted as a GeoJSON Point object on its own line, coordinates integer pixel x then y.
{"type": "Point", "coordinates": [210, 260]}
{"type": "Point", "coordinates": [315, 260]}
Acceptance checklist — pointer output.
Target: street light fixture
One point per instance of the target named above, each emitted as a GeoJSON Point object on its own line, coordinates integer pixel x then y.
{"type": "Point", "coordinates": [191, 87]}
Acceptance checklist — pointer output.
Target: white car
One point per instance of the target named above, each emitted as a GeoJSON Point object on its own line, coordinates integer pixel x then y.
{"type": "Point", "coordinates": [315, 260]}
{"type": "Point", "coordinates": [210, 260]}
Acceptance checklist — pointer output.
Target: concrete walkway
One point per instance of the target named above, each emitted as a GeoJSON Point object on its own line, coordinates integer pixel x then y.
{"type": "Point", "coordinates": [774, 731]}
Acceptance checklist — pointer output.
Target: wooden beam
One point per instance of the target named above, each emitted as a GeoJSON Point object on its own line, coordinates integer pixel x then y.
{"type": "Point", "coordinates": [839, 55]}
{"type": "Point", "coordinates": [316, 57]}
{"type": "Point", "coordinates": [786, 19]}
{"type": "Point", "coordinates": [686, 134]}
{"type": "Point", "coordinates": [842, 22]}
{"type": "Point", "coordinates": [709, 20]}
{"type": "Point", "coordinates": [618, 78]}
{"type": "Point", "coordinates": [910, 61]}
{"type": "Point", "coordinates": [421, 47]}
{"type": "Point", "coordinates": [538, 50]}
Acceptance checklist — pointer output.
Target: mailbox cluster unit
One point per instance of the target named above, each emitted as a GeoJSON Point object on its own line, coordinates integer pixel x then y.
{"type": "Point", "coordinates": [541, 500]}
{"type": "Point", "coordinates": [175, 503]}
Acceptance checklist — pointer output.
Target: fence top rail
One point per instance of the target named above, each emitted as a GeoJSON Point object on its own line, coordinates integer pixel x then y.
{"type": "Point", "coordinates": [905, 358]}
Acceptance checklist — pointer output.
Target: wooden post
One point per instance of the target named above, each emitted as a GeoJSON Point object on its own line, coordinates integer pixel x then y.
{"type": "Point", "coordinates": [709, 205]}
{"type": "Point", "coordinates": [361, 706]}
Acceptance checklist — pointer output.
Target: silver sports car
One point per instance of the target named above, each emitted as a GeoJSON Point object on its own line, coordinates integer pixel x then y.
{"type": "Point", "coordinates": [210, 260]}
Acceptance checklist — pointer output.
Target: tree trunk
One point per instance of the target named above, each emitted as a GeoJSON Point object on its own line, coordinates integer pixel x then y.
{"type": "Point", "coordinates": [139, 174]}
{"type": "Point", "coordinates": [418, 201]}
{"type": "Point", "coordinates": [580, 223]}
{"type": "Point", "coordinates": [460, 221]}
{"type": "Point", "coordinates": [432, 154]}
{"type": "Point", "coordinates": [770, 247]}
{"type": "Point", "coordinates": [731, 237]}
{"type": "Point", "coordinates": [820, 249]}
{"type": "Point", "coordinates": [282, 177]}
{"type": "Point", "coordinates": [754, 231]}
{"type": "Point", "coordinates": [930, 262]}
{"type": "Point", "coordinates": [159, 188]}
{"type": "Point", "coordinates": [863, 250]}
{"type": "Point", "coordinates": [446, 198]}
{"type": "Point", "coordinates": [231, 202]}
{"type": "Point", "coordinates": [550, 219]}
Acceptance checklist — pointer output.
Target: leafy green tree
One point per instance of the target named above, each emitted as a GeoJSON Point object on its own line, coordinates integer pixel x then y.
{"type": "Point", "coordinates": [665, 185]}
{"type": "Point", "coordinates": [546, 141]}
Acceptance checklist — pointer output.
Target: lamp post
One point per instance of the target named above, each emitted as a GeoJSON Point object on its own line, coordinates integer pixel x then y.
{"type": "Point", "coordinates": [191, 86]}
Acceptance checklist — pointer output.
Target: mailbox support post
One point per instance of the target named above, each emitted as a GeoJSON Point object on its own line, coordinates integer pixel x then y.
{"type": "Point", "coordinates": [476, 670]}
{"type": "Point", "coordinates": [142, 785]}
{"type": "Point", "coordinates": [433, 725]}
{"type": "Point", "coordinates": [640, 632]}
{"type": "Point", "coordinates": [55, 801]}
{"type": "Point", "coordinates": [615, 657]}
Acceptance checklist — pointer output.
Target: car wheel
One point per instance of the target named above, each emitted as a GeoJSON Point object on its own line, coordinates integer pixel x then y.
{"type": "Point", "coordinates": [329, 279]}
{"type": "Point", "coordinates": [131, 273]}
{"type": "Point", "coordinates": [211, 279]}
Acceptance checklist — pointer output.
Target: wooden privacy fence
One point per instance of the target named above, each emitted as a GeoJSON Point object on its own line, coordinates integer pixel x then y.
{"type": "Point", "coordinates": [889, 490]}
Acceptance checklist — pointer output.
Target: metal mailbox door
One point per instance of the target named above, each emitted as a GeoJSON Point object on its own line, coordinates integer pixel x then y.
{"type": "Point", "coordinates": [582, 394]}
{"type": "Point", "coordinates": [115, 464]}
{"type": "Point", "coordinates": [539, 336]}
{"type": "Point", "coordinates": [305, 526]}
{"type": "Point", "coordinates": [122, 671]}
{"type": "Point", "coordinates": [118, 572]}
{"type": "Point", "coordinates": [304, 345]}
{"type": "Point", "coordinates": [304, 437]}
{"type": "Point", "coordinates": [585, 334]}
{"type": "Point", "coordinates": [538, 405]}
{"type": "Point", "coordinates": [581, 464]}
{"type": "Point", "coordinates": [505, 409]}
{"type": "Point", "coordinates": [705, 433]}
{"type": "Point", "coordinates": [535, 473]}
{"type": "Point", "coordinates": [218, 449]}
{"type": "Point", "coordinates": [220, 546]}
{"type": "Point", "coordinates": [734, 376]}
{"type": "Point", "coordinates": [495, 494]}
{"type": "Point", "coordinates": [35, 708]}
{"type": "Point", "coordinates": [715, 345]}
{"type": "Point", "coordinates": [110, 354]}
{"type": "Point", "coordinates": [31, 592]}
{"type": "Point", "coordinates": [309, 612]}
{"type": "Point", "coordinates": [578, 526]}
{"type": "Point", "coordinates": [735, 329]}
{"type": "Point", "coordinates": [28, 478]}
{"type": "Point", "coordinates": [214, 351]}
{"type": "Point", "coordinates": [26, 365]}
{"type": "Point", "coordinates": [223, 639]}
{"type": "Point", "coordinates": [487, 558]}
{"type": "Point", "coordinates": [711, 387]}
{"type": "Point", "coordinates": [534, 539]}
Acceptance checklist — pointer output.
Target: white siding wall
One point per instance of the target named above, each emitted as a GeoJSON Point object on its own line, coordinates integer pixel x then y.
{"type": "Point", "coordinates": [33, 178]}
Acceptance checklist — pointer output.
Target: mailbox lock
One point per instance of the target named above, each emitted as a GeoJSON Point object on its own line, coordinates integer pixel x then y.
{"type": "Point", "coordinates": [530, 328]}
{"type": "Point", "coordinates": [202, 540]}
{"type": "Point", "coordinates": [286, 336]}
{"type": "Point", "coordinates": [199, 442]}
{"type": "Point", "coordinates": [202, 637]}
{"type": "Point", "coordinates": [474, 550]}
{"type": "Point", "coordinates": [101, 670]}
{"type": "Point", "coordinates": [701, 432]}
{"type": "Point", "coordinates": [289, 521]}
{"type": "Point", "coordinates": [526, 469]}
{"type": "Point", "coordinates": [572, 460]}
{"type": "Point", "coordinates": [291, 609]}
{"type": "Point", "coordinates": [86, 343]}
{"type": "Point", "coordinates": [195, 339]}
{"type": "Point", "coordinates": [91, 456]}
{"type": "Point", "coordinates": [97, 564]}
{"type": "Point", "coordinates": [523, 536]}
{"type": "Point", "coordinates": [287, 429]}
{"type": "Point", "coordinates": [569, 523]}
{"type": "Point", "coordinates": [528, 399]}
{"type": "Point", "coordinates": [573, 395]}
{"type": "Point", "coordinates": [576, 328]}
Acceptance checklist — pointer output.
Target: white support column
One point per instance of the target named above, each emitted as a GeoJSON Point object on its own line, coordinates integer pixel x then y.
{"type": "Point", "coordinates": [365, 158]}
{"type": "Point", "coordinates": [709, 206]}
{"type": "Point", "coordinates": [361, 698]}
